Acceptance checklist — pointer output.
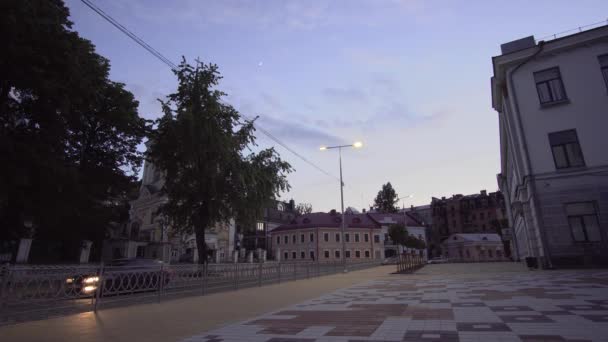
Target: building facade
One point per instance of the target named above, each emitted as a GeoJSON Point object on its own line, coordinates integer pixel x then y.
{"type": "Point", "coordinates": [258, 238]}
{"type": "Point", "coordinates": [318, 236]}
{"type": "Point", "coordinates": [147, 235]}
{"type": "Point", "coordinates": [477, 213]}
{"type": "Point", "coordinates": [552, 104]}
{"type": "Point", "coordinates": [474, 248]}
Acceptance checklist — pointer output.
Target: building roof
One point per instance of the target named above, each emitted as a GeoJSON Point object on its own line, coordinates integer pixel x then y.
{"type": "Point", "coordinates": [334, 220]}
{"type": "Point", "coordinates": [383, 218]}
{"type": "Point", "coordinates": [478, 237]}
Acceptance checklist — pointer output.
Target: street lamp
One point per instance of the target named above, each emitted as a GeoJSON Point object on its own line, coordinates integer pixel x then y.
{"type": "Point", "coordinates": [356, 144]}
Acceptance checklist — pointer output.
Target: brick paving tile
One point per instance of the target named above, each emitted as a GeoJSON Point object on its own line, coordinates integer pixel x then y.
{"type": "Point", "coordinates": [562, 306]}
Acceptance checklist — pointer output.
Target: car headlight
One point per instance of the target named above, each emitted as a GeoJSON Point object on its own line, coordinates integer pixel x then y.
{"type": "Point", "coordinates": [90, 280]}
{"type": "Point", "coordinates": [89, 289]}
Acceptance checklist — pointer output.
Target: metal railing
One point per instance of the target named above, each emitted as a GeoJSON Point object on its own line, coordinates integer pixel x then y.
{"type": "Point", "coordinates": [409, 263]}
{"type": "Point", "coordinates": [27, 291]}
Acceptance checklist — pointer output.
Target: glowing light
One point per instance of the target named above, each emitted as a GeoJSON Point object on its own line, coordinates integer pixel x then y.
{"type": "Point", "coordinates": [322, 148]}
{"type": "Point", "coordinates": [89, 289]}
{"type": "Point", "coordinates": [91, 280]}
{"type": "Point", "coordinates": [358, 144]}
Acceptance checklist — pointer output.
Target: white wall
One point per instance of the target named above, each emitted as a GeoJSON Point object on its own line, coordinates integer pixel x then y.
{"type": "Point", "coordinates": [587, 111]}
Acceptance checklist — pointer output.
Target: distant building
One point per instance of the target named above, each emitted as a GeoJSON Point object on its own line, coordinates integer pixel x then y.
{"type": "Point", "coordinates": [148, 236]}
{"type": "Point", "coordinates": [258, 237]}
{"type": "Point", "coordinates": [553, 113]}
{"type": "Point", "coordinates": [413, 226]}
{"type": "Point", "coordinates": [422, 213]}
{"type": "Point", "coordinates": [473, 248]}
{"type": "Point", "coordinates": [477, 213]}
{"type": "Point", "coordinates": [318, 236]}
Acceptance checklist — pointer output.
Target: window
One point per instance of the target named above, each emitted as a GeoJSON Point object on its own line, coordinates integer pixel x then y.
{"type": "Point", "coordinates": [347, 237]}
{"type": "Point", "coordinates": [367, 254]}
{"type": "Point", "coordinates": [604, 67]}
{"type": "Point", "coordinates": [302, 238]}
{"type": "Point", "coordinates": [337, 237]}
{"type": "Point", "coordinates": [566, 149]}
{"type": "Point", "coordinates": [583, 221]}
{"type": "Point", "coordinates": [286, 239]}
{"type": "Point", "coordinates": [286, 255]}
{"type": "Point", "coordinates": [312, 255]}
{"type": "Point", "coordinates": [377, 238]}
{"type": "Point", "coordinates": [302, 255]}
{"type": "Point", "coordinates": [326, 253]}
{"type": "Point", "coordinates": [483, 227]}
{"type": "Point", "coordinates": [260, 226]}
{"type": "Point", "coordinates": [337, 254]}
{"type": "Point", "coordinates": [347, 254]}
{"type": "Point", "coordinates": [357, 254]}
{"type": "Point", "coordinates": [366, 237]}
{"type": "Point", "coordinates": [312, 237]}
{"type": "Point", "coordinates": [293, 239]}
{"type": "Point", "coordinates": [278, 240]}
{"type": "Point", "coordinates": [326, 237]}
{"type": "Point", "coordinates": [490, 253]}
{"type": "Point", "coordinates": [549, 86]}
{"type": "Point", "coordinates": [357, 237]}
{"type": "Point", "coordinates": [468, 254]}
{"type": "Point", "coordinates": [293, 255]}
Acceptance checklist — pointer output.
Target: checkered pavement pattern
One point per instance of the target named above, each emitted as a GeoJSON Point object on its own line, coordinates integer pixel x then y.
{"type": "Point", "coordinates": [565, 306]}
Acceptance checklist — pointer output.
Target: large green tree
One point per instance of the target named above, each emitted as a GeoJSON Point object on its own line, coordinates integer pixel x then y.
{"type": "Point", "coordinates": [204, 147]}
{"type": "Point", "coordinates": [386, 199]}
{"type": "Point", "coordinates": [68, 134]}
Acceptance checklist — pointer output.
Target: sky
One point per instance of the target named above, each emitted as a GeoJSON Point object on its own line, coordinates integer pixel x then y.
{"type": "Point", "coordinates": [408, 78]}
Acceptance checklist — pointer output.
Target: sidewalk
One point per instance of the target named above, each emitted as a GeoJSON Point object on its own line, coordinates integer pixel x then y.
{"type": "Point", "coordinates": [182, 318]}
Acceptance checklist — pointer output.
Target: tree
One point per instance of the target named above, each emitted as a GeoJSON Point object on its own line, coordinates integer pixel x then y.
{"type": "Point", "coordinates": [68, 134]}
{"type": "Point", "coordinates": [398, 234]}
{"type": "Point", "coordinates": [303, 209]}
{"type": "Point", "coordinates": [200, 145]}
{"type": "Point", "coordinates": [386, 199]}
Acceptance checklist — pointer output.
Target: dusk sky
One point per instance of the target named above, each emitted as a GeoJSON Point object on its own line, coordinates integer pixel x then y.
{"type": "Point", "coordinates": [410, 79]}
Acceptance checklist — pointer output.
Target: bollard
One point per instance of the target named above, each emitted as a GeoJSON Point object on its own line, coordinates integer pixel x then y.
{"type": "Point", "coordinates": [279, 268]}
{"type": "Point", "coordinates": [204, 279]}
{"type": "Point", "coordinates": [260, 274]}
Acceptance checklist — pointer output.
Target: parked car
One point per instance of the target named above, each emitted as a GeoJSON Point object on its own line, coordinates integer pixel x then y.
{"type": "Point", "coordinates": [437, 260]}
{"type": "Point", "coordinates": [390, 261]}
{"type": "Point", "coordinates": [123, 276]}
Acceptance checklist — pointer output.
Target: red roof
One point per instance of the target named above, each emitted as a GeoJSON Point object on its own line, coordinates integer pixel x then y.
{"type": "Point", "coordinates": [334, 220]}
{"type": "Point", "coordinates": [329, 220]}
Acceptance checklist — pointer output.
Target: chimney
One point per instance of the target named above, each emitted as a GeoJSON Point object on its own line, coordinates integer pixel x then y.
{"type": "Point", "coordinates": [483, 193]}
{"type": "Point", "coordinates": [363, 210]}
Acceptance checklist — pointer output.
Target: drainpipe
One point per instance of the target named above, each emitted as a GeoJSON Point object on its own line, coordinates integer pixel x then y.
{"type": "Point", "coordinates": [529, 176]}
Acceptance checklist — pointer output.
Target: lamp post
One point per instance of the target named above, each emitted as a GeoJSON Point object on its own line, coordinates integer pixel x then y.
{"type": "Point", "coordinates": [403, 208]}
{"type": "Point", "coordinates": [357, 144]}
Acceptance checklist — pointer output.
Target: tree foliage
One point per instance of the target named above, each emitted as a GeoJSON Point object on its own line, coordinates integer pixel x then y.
{"type": "Point", "coordinates": [303, 209]}
{"type": "Point", "coordinates": [386, 199]}
{"type": "Point", "coordinates": [68, 134]}
{"type": "Point", "coordinates": [400, 236]}
{"type": "Point", "coordinates": [204, 148]}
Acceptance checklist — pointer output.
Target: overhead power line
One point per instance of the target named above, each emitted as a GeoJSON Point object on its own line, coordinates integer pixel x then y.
{"type": "Point", "coordinates": [171, 65]}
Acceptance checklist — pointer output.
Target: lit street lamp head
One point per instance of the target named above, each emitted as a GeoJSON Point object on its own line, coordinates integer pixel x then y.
{"type": "Point", "coordinates": [357, 144]}
{"type": "Point", "coordinates": [322, 148]}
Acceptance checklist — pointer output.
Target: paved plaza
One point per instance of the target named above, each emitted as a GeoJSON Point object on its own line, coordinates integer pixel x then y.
{"type": "Point", "coordinates": [451, 302]}
{"type": "Point", "coordinates": [530, 306]}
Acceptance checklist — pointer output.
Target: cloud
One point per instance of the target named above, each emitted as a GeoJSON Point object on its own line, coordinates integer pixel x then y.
{"type": "Point", "coordinates": [293, 132]}
{"type": "Point", "coordinates": [345, 94]}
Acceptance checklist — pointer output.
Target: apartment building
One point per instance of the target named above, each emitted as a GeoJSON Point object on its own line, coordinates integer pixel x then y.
{"type": "Point", "coordinates": [552, 103]}
{"type": "Point", "coordinates": [476, 213]}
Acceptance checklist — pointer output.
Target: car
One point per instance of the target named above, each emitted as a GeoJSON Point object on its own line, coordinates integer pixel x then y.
{"type": "Point", "coordinates": [122, 276]}
{"type": "Point", "coordinates": [390, 261]}
{"type": "Point", "coordinates": [437, 260]}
